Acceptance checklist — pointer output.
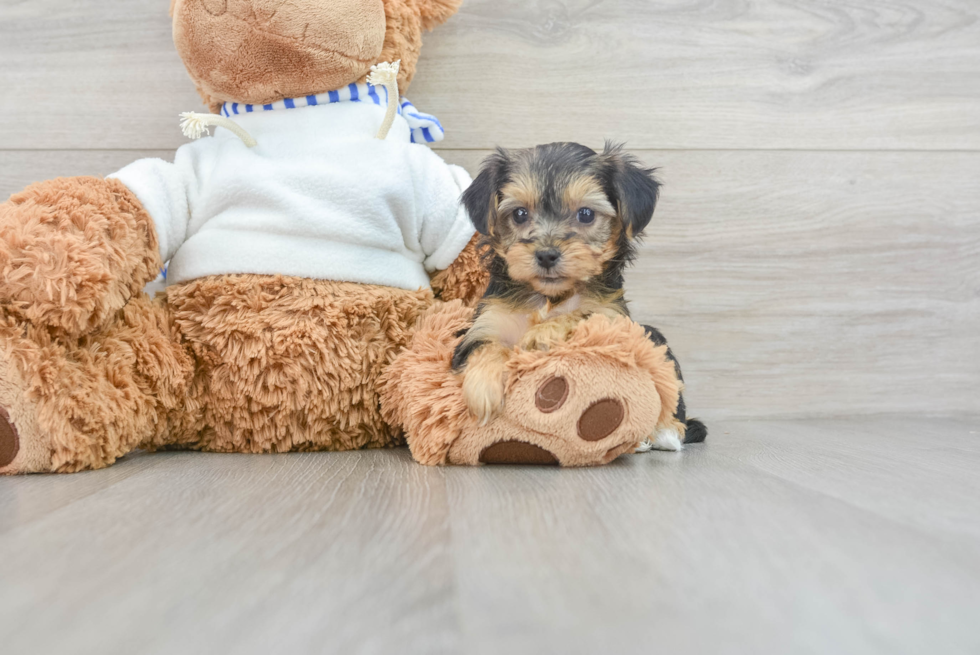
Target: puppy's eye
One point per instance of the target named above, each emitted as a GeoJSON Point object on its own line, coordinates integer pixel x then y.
{"type": "Point", "coordinates": [520, 216]}
{"type": "Point", "coordinates": [586, 215]}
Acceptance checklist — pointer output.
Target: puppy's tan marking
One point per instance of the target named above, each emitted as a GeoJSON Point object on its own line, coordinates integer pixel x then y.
{"type": "Point", "coordinates": [547, 333]}
{"type": "Point", "coordinates": [522, 191]}
{"type": "Point", "coordinates": [484, 381]}
{"type": "Point", "coordinates": [610, 248]}
{"type": "Point", "coordinates": [580, 261]}
{"type": "Point", "coordinates": [585, 191]}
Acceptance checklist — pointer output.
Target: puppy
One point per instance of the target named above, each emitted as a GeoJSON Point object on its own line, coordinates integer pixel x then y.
{"type": "Point", "coordinates": [560, 221]}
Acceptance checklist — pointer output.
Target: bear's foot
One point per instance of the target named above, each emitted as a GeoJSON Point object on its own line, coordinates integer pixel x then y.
{"type": "Point", "coordinates": [556, 421]}
{"type": "Point", "coordinates": [24, 448]}
{"type": "Point", "coordinates": [516, 452]}
{"type": "Point", "coordinates": [9, 441]}
{"type": "Point", "coordinates": [585, 401]}
{"type": "Point", "coordinates": [76, 404]}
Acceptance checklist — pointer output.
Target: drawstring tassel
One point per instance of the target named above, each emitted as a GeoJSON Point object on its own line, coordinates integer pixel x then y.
{"type": "Point", "coordinates": [195, 125]}
{"type": "Point", "coordinates": [386, 75]}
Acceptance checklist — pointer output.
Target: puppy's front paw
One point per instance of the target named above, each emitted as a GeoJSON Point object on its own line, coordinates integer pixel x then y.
{"type": "Point", "coordinates": [484, 397]}
{"type": "Point", "coordinates": [484, 382]}
{"type": "Point", "coordinates": [543, 335]}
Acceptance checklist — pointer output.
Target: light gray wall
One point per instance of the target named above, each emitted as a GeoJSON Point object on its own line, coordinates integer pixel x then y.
{"type": "Point", "coordinates": [817, 248]}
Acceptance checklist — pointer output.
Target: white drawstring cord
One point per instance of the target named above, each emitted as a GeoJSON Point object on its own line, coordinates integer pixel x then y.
{"type": "Point", "coordinates": [386, 74]}
{"type": "Point", "coordinates": [195, 125]}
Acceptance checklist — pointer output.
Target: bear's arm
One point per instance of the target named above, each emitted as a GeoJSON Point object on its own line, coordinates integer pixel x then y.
{"type": "Point", "coordinates": [442, 226]}
{"type": "Point", "coordinates": [466, 278]}
{"type": "Point", "coordinates": [446, 235]}
{"type": "Point", "coordinates": [164, 190]}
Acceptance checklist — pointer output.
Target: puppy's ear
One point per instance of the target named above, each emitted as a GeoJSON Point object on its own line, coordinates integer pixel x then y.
{"type": "Point", "coordinates": [480, 198]}
{"type": "Point", "coordinates": [634, 189]}
{"type": "Point", "coordinates": [436, 12]}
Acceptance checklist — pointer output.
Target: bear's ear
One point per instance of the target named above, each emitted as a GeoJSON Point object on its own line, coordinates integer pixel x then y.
{"type": "Point", "coordinates": [480, 198]}
{"type": "Point", "coordinates": [634, 189]}
{"type": "Point", "coordinates": [436, 12]}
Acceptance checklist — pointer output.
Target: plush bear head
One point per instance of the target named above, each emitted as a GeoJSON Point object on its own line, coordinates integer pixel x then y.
{"type": "Point", "coordinates": [260, 51]}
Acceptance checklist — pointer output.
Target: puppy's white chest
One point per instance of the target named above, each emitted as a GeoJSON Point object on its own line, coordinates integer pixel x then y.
{"type": "Point", "coordinates": [573, 304]}
{"type": "Point", "coordinates": [513, 329]}
{"type": "Point", "coordinates": [515, 326]}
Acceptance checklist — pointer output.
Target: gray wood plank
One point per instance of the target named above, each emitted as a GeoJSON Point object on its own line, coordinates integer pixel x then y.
{"type": "Point", "coordinates": [39, 495]}
{"type": "Point", "coordinates": [938, 461]}
{"type": "Point", "coordinates": [729, 74]}
{"type": "Point", "coordinates": [857, 535]}
{"type": "Point", "coordinates": [705, 552]}
{"type": "Point", "coordinates": [208, 553]}
{"type": "Point", "coordinates": [789, 284]}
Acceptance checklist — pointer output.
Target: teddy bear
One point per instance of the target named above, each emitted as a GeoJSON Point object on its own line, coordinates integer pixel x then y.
{"type": "Point", "coordinates": [303, 240]}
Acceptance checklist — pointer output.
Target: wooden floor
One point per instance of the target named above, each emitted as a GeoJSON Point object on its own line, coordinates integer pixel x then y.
{"type": "Point", "coordinates": [830, 536]}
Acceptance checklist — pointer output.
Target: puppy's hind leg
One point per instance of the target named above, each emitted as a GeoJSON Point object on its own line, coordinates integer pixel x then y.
{"type": "Point", "coordinates": [670, 438]}
{"type": "Point", "coordinates": [663, 439]}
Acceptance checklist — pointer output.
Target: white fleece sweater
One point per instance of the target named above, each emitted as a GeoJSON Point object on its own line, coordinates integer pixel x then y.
{"type": "Point", "coordinates": [318, 197]}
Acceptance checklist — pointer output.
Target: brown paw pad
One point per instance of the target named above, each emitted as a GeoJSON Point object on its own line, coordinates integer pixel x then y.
{"type": "Point", "coordinates": [551, 395]}
{"type": "Point", "coordinates": [516, 452]}
{"type": "Point", "coordinates": [9, 442]}
{"type": "Point", "coordinates": [601, 419]}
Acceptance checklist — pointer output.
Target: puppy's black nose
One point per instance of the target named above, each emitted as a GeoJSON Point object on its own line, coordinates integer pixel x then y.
{"type": "Point", "coordinates": [547, 258]}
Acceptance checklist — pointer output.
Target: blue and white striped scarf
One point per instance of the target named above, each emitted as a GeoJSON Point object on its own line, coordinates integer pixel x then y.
{"type": "Point", "coordinates": [425, 127]}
